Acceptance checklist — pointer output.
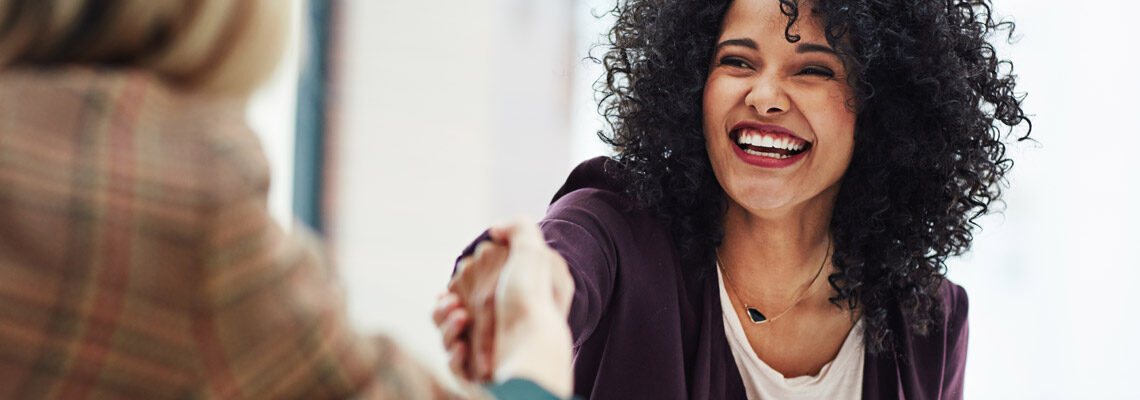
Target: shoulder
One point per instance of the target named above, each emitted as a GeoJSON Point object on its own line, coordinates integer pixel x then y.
{"type": "Point", "coordinates": [596, 173]}
{"type": "Point", "coordinates": [592, 191]}
{"type": "Point", "coordinates": [235, 165]}
{"type": "Point", "coordinates": [947, 328]}
{"type": "Point", "coordinates": [198, 144]}
{"type": "Point", "coordinates": [955, 306]}
{"type": "Point", "coordinates": [951, 317]}
{"type": "Point", "coordinates": [947, 332]}
{"type": "Point", "coordinates": [932, 364]}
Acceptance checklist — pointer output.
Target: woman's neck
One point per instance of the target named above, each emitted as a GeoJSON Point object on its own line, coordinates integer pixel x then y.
{"type": "Point", "coordinates": [774, 256]}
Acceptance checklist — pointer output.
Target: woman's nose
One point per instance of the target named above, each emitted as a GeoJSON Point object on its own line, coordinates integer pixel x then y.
{"type": "Point", "coordinates": [767, 96]}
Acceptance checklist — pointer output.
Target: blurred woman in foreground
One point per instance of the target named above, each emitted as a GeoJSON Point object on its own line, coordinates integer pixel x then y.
{"type": "Point", "coordinates": [137, 255]}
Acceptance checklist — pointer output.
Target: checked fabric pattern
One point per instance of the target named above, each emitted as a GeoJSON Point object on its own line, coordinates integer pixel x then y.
{"type": "Point", "coordinates": [138, 258]}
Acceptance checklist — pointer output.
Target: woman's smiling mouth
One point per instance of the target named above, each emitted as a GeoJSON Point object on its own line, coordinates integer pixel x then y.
{"type": "Point", "coordinates": [767, 145]}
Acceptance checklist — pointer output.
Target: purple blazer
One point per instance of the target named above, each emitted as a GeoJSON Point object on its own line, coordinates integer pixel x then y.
{"type": "Point", "coordinates": [644, 328]}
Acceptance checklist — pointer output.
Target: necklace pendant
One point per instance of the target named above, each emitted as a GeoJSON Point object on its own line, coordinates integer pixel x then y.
{"type": "Point", "coordinates": [756, 315]}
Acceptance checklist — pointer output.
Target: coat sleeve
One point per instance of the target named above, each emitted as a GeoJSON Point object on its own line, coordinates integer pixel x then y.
{"type": "Point", "coordinates": [585, 227]}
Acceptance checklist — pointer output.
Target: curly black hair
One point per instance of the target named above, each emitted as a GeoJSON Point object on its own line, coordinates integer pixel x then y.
{"type": "Point", "coordinates": [929, 156]}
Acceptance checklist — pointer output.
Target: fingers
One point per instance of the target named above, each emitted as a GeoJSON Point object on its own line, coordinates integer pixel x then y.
{"type": "Point", "coordinates": [444, 305]}
{"type": "Point", "coordinates": [457, 359]}
{"type": "Point", "coordinates": [453, 321]}
{"type": "Point", "coordinates": [474, 326]}
{"type": "Point", "coordinates": [483, 339]}
{"type": "Point", "coordinates": [453, 326]}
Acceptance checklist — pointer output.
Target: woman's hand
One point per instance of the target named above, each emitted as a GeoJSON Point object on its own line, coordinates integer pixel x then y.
{"type": "Point", "coordinates": [533, 297]}
{"type": "Point", "coordinates": [453, 322]}
{"type": "Point", "coordinates": [505, 314]}
{"type": "Point", "coordinates": [468, 339]}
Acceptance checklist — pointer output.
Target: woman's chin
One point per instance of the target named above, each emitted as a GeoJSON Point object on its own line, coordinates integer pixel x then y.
{"type": "Point", "coordinates": [764, 201]}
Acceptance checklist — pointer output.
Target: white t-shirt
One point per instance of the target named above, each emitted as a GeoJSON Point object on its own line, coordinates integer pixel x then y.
{"type": "Point", "coordinates": [840, 379]}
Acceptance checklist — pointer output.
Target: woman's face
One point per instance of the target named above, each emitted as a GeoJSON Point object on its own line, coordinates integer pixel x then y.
{"type": "Point", "coordinates": [777, 124]}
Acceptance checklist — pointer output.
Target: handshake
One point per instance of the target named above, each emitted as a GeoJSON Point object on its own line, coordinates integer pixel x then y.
{"type": "Point", "coordinates": [504, 315]}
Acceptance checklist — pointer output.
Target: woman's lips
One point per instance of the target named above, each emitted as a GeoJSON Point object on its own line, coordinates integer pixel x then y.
{"type": "Point", "coordinates": [769, 146]}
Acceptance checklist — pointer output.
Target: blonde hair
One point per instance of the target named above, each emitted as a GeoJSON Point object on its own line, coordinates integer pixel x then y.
{"type": "Point", "coordinates": [227, 46]}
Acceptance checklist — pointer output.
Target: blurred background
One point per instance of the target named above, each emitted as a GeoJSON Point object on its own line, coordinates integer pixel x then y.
{"type": "Point", "coordinates": [401, 129]}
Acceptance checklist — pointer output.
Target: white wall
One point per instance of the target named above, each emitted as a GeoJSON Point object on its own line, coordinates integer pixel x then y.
{"type": "Point", "coordinates": [1052, 282]}
{"type": "Point", "coordinates": [455, 116]}
{"type": "Point", "coordinates": [591, 22]}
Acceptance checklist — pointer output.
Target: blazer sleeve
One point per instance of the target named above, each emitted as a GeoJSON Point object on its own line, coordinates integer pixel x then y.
{"type": "Point", "coordinates": [957, 337]}
{"type": "Point", "coordinates": [586, 227]}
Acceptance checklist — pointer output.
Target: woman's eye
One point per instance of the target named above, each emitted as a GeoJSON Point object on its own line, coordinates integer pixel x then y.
{"type": "Point", "coordinates": [734, 62]}
{"type": "Point", "coordinates": [818, 71]}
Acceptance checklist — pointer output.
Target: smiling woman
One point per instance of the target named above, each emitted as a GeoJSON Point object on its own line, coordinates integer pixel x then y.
{"type": "Point", "coordinates": [763, 95]}
{"type": "Point", "coordinates": [765, 144]}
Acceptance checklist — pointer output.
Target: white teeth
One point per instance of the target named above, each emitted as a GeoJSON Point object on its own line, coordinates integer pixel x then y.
{"type": "Point", "coordinates": [767, 141]}
{"type": "Point", "coordinates": [749, 140]}
{"type": "Point", "coordinates": [767, 154]}
{"type": "Point", "coordinates": [761, 140]}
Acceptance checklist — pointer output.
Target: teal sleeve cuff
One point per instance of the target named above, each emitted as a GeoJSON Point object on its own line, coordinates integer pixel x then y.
{"type": "Point", "coordinates": [520, 389]}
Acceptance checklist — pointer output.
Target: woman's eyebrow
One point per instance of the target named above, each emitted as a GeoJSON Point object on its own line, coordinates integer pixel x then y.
{"type": "Point", "coordinates": [800, 48]}
{"type": "Point", "coordinates": [815, 48]}
{"type": "Point", "coordinates": [745, 42]}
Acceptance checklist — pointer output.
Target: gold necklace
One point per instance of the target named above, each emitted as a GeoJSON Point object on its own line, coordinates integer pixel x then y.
{"type": "Point", "coordinates": [754, 314]}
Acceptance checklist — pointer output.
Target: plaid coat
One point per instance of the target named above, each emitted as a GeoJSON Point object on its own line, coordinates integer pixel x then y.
{"type": "Point", "coordinates": [138, 258]}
